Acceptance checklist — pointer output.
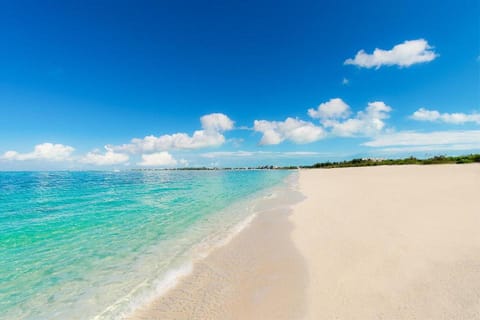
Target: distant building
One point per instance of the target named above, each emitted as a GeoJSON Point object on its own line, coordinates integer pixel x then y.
{"type": "Point", "coordinates": [373, 159]}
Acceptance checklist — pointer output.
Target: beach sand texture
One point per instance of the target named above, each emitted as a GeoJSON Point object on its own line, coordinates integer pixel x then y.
{"type": "Point", "coordinates": [259, 274]}
{"type": "Point", "coordinates": [396, 242]}
{"type": "Point", "coordinates": [390, 242]}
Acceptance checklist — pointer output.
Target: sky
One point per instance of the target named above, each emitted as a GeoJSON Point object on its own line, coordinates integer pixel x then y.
{"type": "Point", "coordinates": [130, 84]}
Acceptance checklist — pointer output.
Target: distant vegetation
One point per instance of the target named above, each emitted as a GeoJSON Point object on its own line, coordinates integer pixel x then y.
{"type": "Point", "coordinates": [359, 162]}
{"type": "Point", "coordinates": [366, 162]}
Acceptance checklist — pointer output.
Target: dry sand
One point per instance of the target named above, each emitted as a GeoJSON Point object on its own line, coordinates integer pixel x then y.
{"type": "Point", "coordinates": [396, 242]}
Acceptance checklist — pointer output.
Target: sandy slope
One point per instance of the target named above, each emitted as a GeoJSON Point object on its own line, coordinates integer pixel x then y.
{"type": "Point", "coordinates": [259, 274]}
{"type": "Point", "coordinates": [397, 242]}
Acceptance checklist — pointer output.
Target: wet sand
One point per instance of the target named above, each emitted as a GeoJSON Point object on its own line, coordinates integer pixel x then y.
{"type": "Point", "coordinates": [259, 274]}
{"type": "Point", "coordinates": [393, 242]}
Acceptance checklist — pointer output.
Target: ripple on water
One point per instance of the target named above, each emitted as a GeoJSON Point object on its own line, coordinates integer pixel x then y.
{"type": "Point", "coordinates": [79, 244]}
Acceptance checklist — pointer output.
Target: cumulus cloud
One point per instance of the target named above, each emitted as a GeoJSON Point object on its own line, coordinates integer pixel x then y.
{"type": "Point", "coordinates": [332, 109]}
{"type": "Point", "coordinates": [365, 123]}
{"type": "Point", "coordinates": [159, 159]}
{"type": "Point", "coordinates": [334, 116]}
{"type": "Point", "coordinates": [295, 130]}
{"type": "Point", "coordinates": [109, 157]}
{"type": "Point", "coordinates": [412, 138]}
{"type": "Point", "coordinates": [216, 122]}
{"type": "Point", "coordinates": [44, 151]}
{"type": "Point", "coordinates": [151, 143]}
{"type": "Point", "coordinates": [403, 55]}
{"type": "Point", "coordinates": [423, 114]}
{"type": "Point", "coordinates": [213, 126]}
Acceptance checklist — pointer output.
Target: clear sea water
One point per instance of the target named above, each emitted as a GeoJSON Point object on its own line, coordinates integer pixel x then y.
{"type": "Point", "coordinates": [97, 245]}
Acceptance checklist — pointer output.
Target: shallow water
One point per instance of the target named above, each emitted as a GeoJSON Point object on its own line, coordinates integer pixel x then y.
{"type": "Point", "coordinates": [81, 245]}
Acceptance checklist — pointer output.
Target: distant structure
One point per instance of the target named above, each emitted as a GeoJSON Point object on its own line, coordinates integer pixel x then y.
{"type": "Point", "coordinates": [373, 159]}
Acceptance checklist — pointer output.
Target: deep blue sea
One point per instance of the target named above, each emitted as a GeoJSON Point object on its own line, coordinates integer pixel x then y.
{"type": "Point", "coordinates": [84, 245]}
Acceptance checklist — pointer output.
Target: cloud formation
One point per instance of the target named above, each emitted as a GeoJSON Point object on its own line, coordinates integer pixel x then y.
{"type": "Point", "coordinates": [334, 113]}
{"type": "Point", "coordinates": [44, 151]}
{"type": "Point", "coordinates": [158, 159]}
{"type": "Point", "coordinates": [334, 118]}
{"type": "Point", "coordinates": [412, 138]}
{"type": "Point", "coordinates": [216, 122]}
{"type": "Point", "coordinates": [366, 123]}
{"type": "Point", "coordinates": [334, 108]}
{"type": "Point", "coordinates": [403, 55]}
{"type": "Point", "coordinates": [433, 148]}
{"type": "Point", "coordinates": [246, 154]}
{"type": "Point", "coordinates": [295, 130]}
{"type": "Point", "coordinates": [210, 136]}
{"type": "Point", "coordinates": [110, 157]}
{"type": "Point", "coordinates": [423, 114]}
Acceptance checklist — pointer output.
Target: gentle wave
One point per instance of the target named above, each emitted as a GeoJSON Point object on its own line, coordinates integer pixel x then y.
{"type": "Point", "coordinates": [99, 245]}
{"type": "Point", "coordinates": [251, 206]}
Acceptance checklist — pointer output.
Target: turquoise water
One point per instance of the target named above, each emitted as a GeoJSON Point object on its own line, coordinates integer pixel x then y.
{"type": "Point", "coordinates": [82, 245]}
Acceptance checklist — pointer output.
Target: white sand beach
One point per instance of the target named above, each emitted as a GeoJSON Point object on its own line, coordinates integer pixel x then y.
{"type": "Point", "coordinates": [390, 242]}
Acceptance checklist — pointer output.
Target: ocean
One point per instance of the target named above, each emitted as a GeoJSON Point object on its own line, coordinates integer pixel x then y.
{"type": "Point", "coordinates": [98, 245]}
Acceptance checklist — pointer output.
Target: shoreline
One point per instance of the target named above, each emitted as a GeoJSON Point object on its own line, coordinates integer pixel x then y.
{"type": "Point", "coordinates": [386, 242]}
{"type": "Point", "coordinates": [228, 223]}
{"type": "Point", "coordinates": [245, 276]}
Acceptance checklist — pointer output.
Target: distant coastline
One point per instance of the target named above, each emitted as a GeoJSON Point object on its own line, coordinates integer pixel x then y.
{"type": "Point", "coordinates": [356, 162]}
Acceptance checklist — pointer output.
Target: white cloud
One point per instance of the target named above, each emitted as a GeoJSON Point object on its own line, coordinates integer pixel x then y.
{"type": "Point", "coordinates": [432, 148]}
{"type": "Point", "coordinates": [45, 151]}
{"type": "Point", "coordinates": [301, 153]}
{"type": "Point", "coordinates": [365, 123]}
{"type": "Point", "coordinates": [423, 114]}
{"type": "Point", "coordinates": [246, 154]}
{"type": "Point", "coordinates": [295, 130]}
{"type": "Point", "coordinates": [403, 55]}
{"type": "Point", "coordinates": [333, 115]}
{"type": "Point", "coordinates": [110, 157]}
{"type": "Point", "coordinates": [221, 154]}
{"type": "Point", "coordinates": [332, 109]}
{"type": "Point", "coordinates": [412, 138]}
{"type": "Point", "coordinates": [151, 143]}
{"type": "Point", "coordinates": [345, 81]}
{"type": "Point", "coordinates": [213, 125]}
{"type": "Point", "coordinates": [158, 159]}
{"type": "Point", "coordinates": [216, 122]}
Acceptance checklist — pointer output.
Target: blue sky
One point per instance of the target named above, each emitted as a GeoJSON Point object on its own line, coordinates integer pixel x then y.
{"type": "Point", "coordinates": [80, 79]}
